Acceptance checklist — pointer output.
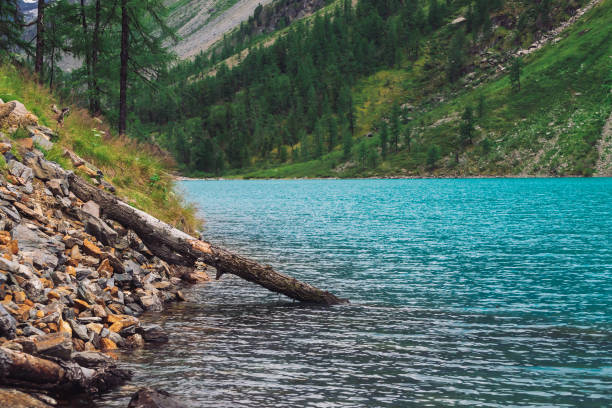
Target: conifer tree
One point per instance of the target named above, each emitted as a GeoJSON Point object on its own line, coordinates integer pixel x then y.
{"type": "Point", "coordinates": [395, 127]}
{"type": "Point", "coordinates": [456, 56]}
{"type": "Point", "coordinates": [515, 75]}
{"type": "Point", "coordinates": [384, 140]}
{"type": "Point", "coordinates": [347, 143]}
{"type": "Point", "coordinates": [11, 26]}
{"type": "Point", "coordinates": [466, 129]}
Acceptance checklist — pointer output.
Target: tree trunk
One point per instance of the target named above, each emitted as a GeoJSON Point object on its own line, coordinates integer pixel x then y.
{"type": "Point", "coordinates": [95, 49]}
{"type": "Point", "coordinates": [40, 42]}
{"type": "Point", "coordinates": [31, 372]}
{"type": "Point", "coordinates": [177, 247]}
{"type": "Point", "coordinates": [125, 26]}
{"type": "Point", "coordinates": [87, 55]}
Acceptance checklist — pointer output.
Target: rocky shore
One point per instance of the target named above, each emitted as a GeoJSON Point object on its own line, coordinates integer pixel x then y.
{"type": "Point", "coordinates": [72, 281]}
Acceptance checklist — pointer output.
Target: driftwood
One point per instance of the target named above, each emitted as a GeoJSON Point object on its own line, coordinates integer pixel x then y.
{"type": "Point", "coordinates": [31, 372]}
{"type": "Point", "coordinates": [177, 247]}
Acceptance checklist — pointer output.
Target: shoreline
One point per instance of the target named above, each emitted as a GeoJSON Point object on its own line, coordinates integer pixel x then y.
{"type": "Point", "coordinates": [484, 177]}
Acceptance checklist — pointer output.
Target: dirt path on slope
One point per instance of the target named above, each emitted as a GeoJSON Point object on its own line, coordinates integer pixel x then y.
{"type": "Point", "coordinates": [200, 39]}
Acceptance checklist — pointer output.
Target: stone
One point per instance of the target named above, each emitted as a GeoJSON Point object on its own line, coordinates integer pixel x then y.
{"type": "Point", "coordinates": [8, 324]}
{"type": "Point", "coordinates": [11, 212]}
{"type": "Point", "coordinates": [91, 359]}
{"type": "Point", "coordinates": [135, 341]}
{"type": "Point", "coordinates": [42, 168]}
{"type": "Point", "coordinates": [79, 330]}
{"type": "Point", "coordinates": [150, 398]}
{"type": "Point", "coordinates": [91, 248]}
{"type": "Point", "coordinates": [107, 344]}
{"type": "Point", "coordinates": [56, 345]}
{"type": "Point", "coordinates": [26, 143]}
{"type": "Point", "coordinates": [43, 250]}
{"type": "Point", "coordinates": [56, 187]}
{"type": "Point", "coordinates": [24, 173]}
{"type": "Point", "coordinates": [91, 208]}
{"type": "Point", "coordinates": [153, 333]}
{"type": "Point", "coordinates": [151, 303]}
{"type": "Point", "coordinates": [105, 269]}
{"type": "Point", "coordinates": [42, 141]}
{"type": "Point", "coordinates": [98, 228]}
{"type": "Point", "coordinates": [196, 276]}
{"type": "Point", "coordinates": [5, 147]}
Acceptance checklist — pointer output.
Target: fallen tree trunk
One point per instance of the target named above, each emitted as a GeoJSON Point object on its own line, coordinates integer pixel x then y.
{"type": "Point", "coordinates": [32, 372]}
{"type": "Point", "coordinates": [177, 247]}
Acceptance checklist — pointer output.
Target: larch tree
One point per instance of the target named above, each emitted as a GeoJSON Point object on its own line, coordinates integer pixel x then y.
{"type": "Point", "coordinates": [142, 31]}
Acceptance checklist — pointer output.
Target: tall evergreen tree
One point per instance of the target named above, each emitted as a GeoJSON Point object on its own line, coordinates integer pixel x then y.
{"type": "Point", "coordinates": [11, 26]}
{"type": "Point", "coordinates": [515, 75]}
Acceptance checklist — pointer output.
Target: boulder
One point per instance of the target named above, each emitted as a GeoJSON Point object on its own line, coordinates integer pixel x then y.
{"type": "Point", "coordinates": [14, 114]}
{"type": "Point", "coordinates": [98, 228]}
{"type": "Point", "coordinates": [153, 333]}
{"type": "Point", "coordinates": [91, 359]}
{"type": "Point", "coordinates": [42, 141]}
{"type": "Point", "coordinates": [20, 171]}
{"type": "Point", "coordinates": [55, 345]}
{"type": "Point", "coordinates": [91, 208]}
{"type": "Point", "coordinates": [44, 169]}
{"type": "Point", "coordinates": [150, 398]}
{"type": "Point", "coordinates": [43, 250]}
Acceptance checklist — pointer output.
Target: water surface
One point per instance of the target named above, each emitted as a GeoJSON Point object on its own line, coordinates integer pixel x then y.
{"type": "Point", "coordinates": [476, 293]}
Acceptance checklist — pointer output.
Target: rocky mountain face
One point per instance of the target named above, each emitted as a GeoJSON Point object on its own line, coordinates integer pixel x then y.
{"type": "Point", "coordinates": [72, 281]}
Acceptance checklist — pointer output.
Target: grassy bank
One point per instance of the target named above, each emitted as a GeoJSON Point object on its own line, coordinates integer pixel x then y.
{"type": "Point", "coordinates": [141, 173]}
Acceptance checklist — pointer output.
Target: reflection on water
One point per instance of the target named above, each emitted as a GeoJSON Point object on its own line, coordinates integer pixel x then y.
{"type": "Point", "coordinates": [490, 293]}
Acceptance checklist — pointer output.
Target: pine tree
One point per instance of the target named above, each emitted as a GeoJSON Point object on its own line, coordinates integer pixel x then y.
{"type": "Point", "coordinates": [395, 127]}
{"type": "Point", "coordinates": [384, 140]}
{"type": "Point", "coordinates": [456, 56]}
{"type": "Point", "coordinates": [433, 155]}
{"type": "Point", "coordinates": [408, 137]}
{"type": "Point", "coordinates": [515, 75]}
{"type": "Point", "coordinates": [11, 25]}
{"type": "Point", "coordinates": [142, 31]}
{"type": "Point", "coordinates": [332, 133]}
{"type": "Point", "coordinates": [347, 143]}
{"type": "Point", "coordinates": [466, 129]}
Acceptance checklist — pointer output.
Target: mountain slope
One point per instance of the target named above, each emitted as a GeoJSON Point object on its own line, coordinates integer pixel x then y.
{"type": "Point", "coordinates": [421, 94]}
{"type": "Point", "coordinates": [201, 23]}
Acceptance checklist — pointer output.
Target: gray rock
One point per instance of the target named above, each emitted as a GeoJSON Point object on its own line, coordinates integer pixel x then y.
{"type": "Point", "coordinates": [11, 212]}
{"type": "Point", "coordinates": [79, 329]}
{"type": "Point", "coordinates": [43, 250]}
{"type": "Point", "coordinates": [150, 398]}
{"type": "Point", "coordinates": [91, 359]}
{"type": "Point", "coordinates": [98, 228]}
{"type": "Point", "coordinates": [91, 208]}
{"type": "Point", "coordinates": [8, 324]}
{"type": "Point", "coordinates": [151, 303]}
{"type": "Point", "coordinates": [44, 169]}
{"type": "Point", "coordinates": [58, 187]}
{"type": "Point", "coordinates": [42, 141]}
{"type": "Point", "coordinates": [153, 333]}
{"type": "Point", "coordinates": [19, 170]}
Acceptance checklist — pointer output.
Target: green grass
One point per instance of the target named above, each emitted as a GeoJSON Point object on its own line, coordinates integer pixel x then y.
{"type": "Point", "coordinates": [126, 163]}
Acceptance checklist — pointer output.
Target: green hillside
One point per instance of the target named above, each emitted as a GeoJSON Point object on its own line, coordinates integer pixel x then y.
{"type": "Point", "coordinates": [552, 126]}
{"type": "Point", "coordinates": [395, 89]}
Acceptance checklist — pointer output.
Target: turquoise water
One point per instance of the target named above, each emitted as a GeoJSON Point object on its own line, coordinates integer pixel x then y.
{"type": "Point", "coordinates": [476, 293]}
